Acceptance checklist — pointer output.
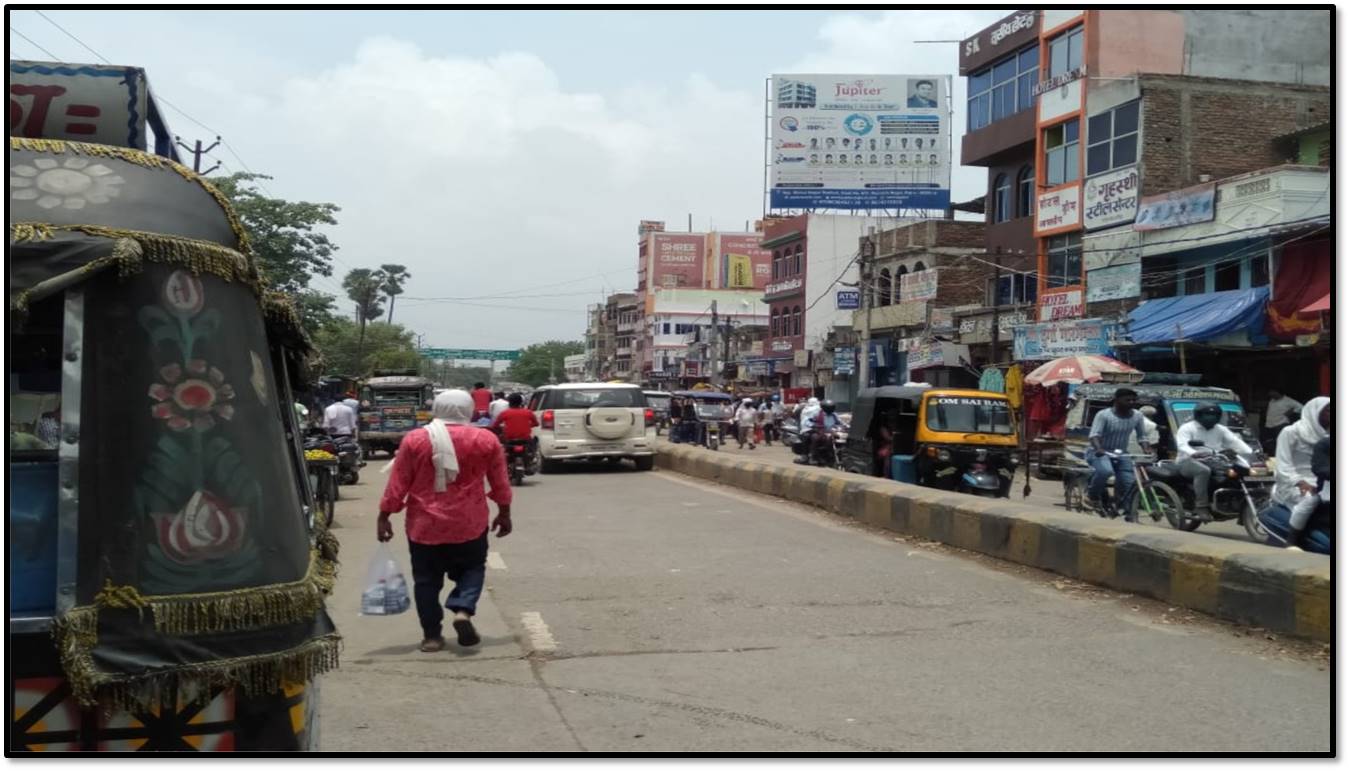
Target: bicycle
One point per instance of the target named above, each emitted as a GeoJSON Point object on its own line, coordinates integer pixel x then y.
{"type": "Point", "coordinates": [1155, 499]}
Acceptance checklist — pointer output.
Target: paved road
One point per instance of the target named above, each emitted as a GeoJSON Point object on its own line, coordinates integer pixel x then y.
{"type": "Point", "coordinates": [1044, 492]}
{"type": "Point", "coordinates": [636, 612]}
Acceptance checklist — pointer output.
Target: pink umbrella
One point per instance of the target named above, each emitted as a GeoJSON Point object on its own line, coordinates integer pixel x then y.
{"type": "Point", "coordinates": [1080, 369]}
{"type": "Point", "coordinates": [1322, 304]}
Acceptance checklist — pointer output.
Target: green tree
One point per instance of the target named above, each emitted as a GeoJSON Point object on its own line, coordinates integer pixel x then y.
{"type": "Point", "coordinates": [394, 277]}
{"type": "Point", "coordinates": [384, 346]}
{"type": "Point", "coordinates": [363, 288]}
{"type": "Point", "coordinates": [289, 247]}
{"type": "Point", "coordinates": [542, 362]}
{"type": "Point", "coordinates": [317, 310]}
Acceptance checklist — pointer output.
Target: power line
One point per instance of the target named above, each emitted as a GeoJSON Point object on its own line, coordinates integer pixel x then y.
{"type": "Point", "coordinates": [72, 36]}
{"type": "Point", "coordinates": [35, 45]}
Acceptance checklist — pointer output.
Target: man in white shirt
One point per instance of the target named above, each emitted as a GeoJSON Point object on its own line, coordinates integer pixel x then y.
{"type": "Point", "coordinates": [1204, 427]}
{"type": "Point", "coordinates": [745, 417]}
{"type": "Point", "coordinates": [1281, 412]}
{"type": "Point", "coordinates": [340, 420]}
{"type": "Point", "coordinates": [498, 405]}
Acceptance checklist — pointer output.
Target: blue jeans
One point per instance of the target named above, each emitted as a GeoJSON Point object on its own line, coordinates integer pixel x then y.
{"type": "Point", "coordinates": [1102, 467]}
{"type": "Point", "coordinates": [463, 563]}
{"type": "Point", "coordinates": [1275, 519]}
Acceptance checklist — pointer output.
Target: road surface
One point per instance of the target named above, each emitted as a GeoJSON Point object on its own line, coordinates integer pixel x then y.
{"type": "Point", "coordinates": [634, 612]}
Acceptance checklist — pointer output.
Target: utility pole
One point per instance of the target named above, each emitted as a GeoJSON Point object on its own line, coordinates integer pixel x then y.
{"type": "Point", "coordinates": [997, 280]}
{"type": "Point", "coordinates": [197, 153]}
{"type": "Point", "coordinates": [726, 347]}
{"type": "Point", "coordinates": [712, 348]}
{"type": "Point", "coordinates": [868, 252]}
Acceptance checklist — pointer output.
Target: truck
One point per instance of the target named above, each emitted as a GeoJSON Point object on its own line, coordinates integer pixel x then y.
{"type": "Point", "coordinates": [393, 402]}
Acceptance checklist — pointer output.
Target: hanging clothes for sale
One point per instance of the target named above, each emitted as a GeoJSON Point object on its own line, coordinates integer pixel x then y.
{"type": "Point", "coordinates": [1013, 386]}
{"type": "Point", "coordinates": [991, 380]}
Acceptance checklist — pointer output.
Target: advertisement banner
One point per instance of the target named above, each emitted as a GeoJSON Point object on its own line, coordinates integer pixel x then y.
{"type": "Point", "coordinates": [743, 263]}
{"type": "Point", "coordinates": [922, 354]}
{"type": "Point", "coordinates": [845, 360]}
{"type": "Point", "coordinates": [1117, 282]}
{"type": "Point", "coordinates": [860, 142]}
{"type": "Point", "coordinates": [649, 226]}
{"type": "Point", "coordinates": [1176, 208]}
{"type": "Point", "coordinates": [1051, 340]}
{"type": "Point", "coordinates": [678, 260]}
{"type": "Point", "coordinates": [78, 102]}
{"type": "Point", "coordinates": [1058, 209]}
{"type": "Point", "coordinates": [1061, 304]}
{"type": "Point", "coordinates": [848, 300]}
{"type": "Point", "coordinates": [1110, 199]}
{"type": "Point", "coordinates": [919, 285]}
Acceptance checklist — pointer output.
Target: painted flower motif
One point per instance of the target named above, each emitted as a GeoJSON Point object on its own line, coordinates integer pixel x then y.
{"type": "Point", "coordinates": [72, 184]}
{"type": "Point", "coordinates": [183, 293]}
{"type": "Point", "coordinates": [191, 402]}
{"type": "Point", "coordinates": [205, 528]}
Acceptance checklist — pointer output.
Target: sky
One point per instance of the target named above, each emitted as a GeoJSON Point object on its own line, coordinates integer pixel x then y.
{"type": "Point", "coordinates": [504, 157]}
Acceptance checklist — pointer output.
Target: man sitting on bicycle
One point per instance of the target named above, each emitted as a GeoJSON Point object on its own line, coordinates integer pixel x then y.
{"type": "Point", "coordinates": [1204, 427]}
{"type": "Point", "coordinates": [1109, 440]}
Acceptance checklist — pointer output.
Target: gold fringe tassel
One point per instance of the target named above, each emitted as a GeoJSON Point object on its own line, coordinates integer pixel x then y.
{"type": "Point", "coordinates": [144, 160]}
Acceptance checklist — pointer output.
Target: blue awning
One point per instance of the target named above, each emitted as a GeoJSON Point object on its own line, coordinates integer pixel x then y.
{"type": "Point", "coordinates": [1199, 317]}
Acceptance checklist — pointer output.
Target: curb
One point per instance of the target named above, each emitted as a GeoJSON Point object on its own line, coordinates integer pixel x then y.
{"type": "Point", "coordinates": [1248, 583]}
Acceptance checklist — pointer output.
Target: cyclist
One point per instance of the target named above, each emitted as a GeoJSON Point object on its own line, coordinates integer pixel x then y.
{"type": "Point", "coordinates": [1109, 441]}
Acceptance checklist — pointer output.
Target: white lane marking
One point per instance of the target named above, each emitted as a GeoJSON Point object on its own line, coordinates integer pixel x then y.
{"type": "Point", "coordinates": [540, 639]}
{"type": "Point", "coordinates": [494, 561]}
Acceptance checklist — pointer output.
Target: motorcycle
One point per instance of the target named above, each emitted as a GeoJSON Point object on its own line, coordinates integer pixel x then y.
{"type": "Point", "coordinates": [349, 461]}
{"type": "Point", "coordinates": [522, 459]}
{"type": "Point", "coordinates": [828, 454]}
{"type": "Point", "coordinates": [1239, 488]}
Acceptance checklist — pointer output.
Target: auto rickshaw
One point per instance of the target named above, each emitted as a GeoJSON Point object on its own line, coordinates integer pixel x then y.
{"type": "Point", "coordinates": [950, 439]}
{"type": "Point", "coordinates": [167, 575]}
{"type": "Point", "coordinates": [712, 413]}
{"type": "Point", "coordinates": [393, 402]}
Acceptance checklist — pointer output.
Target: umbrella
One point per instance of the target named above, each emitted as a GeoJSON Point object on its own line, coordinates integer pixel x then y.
{"type": "Point", "coordinates": [1080, 369]}
{"type": "Point", "coordinates": [1322, 304]}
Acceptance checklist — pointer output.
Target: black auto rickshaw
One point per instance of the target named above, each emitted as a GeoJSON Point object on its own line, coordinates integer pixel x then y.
{"type": "Point", "coordinates": [167, 575]}
{"type": "Point", "coordinates": [709, 419]}
{"type": "Point", "coordinates": [950, 439]}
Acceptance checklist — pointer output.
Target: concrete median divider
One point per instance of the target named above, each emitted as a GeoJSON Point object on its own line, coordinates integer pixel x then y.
{"type": "Point", "coordinates": [1249, 583]}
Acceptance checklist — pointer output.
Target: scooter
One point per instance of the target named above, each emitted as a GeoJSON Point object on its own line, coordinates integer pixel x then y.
{"type": "Point", "coordinates": [1239, 488]}
{"type": "Point", "coordinates": [349, 460]}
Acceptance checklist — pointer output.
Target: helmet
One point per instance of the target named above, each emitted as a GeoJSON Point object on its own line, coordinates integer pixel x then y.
{"type": "Point", "coordinates": [828, 406]}
{"type": "Point", "coordinates": [1148, 411]}
{"type": "Point", "coordinates": [1208, 414]}
{"type": "Point", "coordinates": [777, 398]}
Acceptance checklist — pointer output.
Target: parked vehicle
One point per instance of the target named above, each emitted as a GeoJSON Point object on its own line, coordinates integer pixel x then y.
{"type": "Point", "coordinates": [713, 412]}
{"type": "Point", "coordinates": [659, 402]}
{"type": "Point", "coordinates": [393, 402]}
{"type": "Point", "coordinates": [594, 422]}
{"type": "Point", "coordinates": [167, 564]}
{"type": "Point", "coordinates": [950, 439]}
{"type": "Point", "coordinates": [1239, 489]}
{"type": "Point", "coordinates": [322, 465]}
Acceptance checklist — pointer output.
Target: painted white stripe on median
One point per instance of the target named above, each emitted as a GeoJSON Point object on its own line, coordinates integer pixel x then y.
{"type": "Point", "coordinates": [494, 560]}
{"type": "Point", "coordinates": [540, 639]}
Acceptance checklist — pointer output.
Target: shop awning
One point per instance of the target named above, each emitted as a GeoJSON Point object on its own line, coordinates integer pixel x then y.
{"type": "Point", "coordinates": [1198, 317]}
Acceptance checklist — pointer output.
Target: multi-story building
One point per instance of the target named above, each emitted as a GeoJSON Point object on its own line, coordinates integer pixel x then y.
{"type": "Point", "coordinates": [1081, 116]}
{"type": "Point", "coordinates": [813, 256]}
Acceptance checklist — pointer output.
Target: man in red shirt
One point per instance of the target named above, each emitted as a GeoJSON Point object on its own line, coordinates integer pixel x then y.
{"type": "Point", "coordinates": [438, 474]}
{"type": "Point", "coordinates": [516, 423]}
{"type": "Point", "coordinates": [482, 401]}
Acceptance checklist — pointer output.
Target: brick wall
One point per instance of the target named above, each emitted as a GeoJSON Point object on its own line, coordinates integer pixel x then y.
{"type": "Point", "coordinates": [1194, 126]}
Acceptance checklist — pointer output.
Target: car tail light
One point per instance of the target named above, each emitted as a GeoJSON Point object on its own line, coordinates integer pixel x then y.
{"type": "Point", "coordinates": [547, 419]}
{"type": "Point", "coordinates": [518, 448]}
{"type": "Point", "coordinates": [650, 416]}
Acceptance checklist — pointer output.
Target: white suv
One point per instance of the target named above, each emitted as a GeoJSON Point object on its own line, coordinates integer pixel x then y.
{"type": "Point", "coordinates": [594, 421]}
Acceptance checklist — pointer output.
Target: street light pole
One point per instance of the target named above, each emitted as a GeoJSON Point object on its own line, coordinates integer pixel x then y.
{"type": "Point", "coordinates": [866, 254]}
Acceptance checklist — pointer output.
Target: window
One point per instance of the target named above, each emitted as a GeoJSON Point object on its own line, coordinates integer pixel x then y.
{"type": "Point", "coordinates": [1064, 264]}
{"type": "Point", "coordinates": [884, 286]}
{"type": "Point", "coordinates": [1015, 289]}
{"type": "Point", "coordinates": [773, 323]}
{"type": "Point", "coordinates": [1002, 198]}
{"type": "Point", "coordinates": [1065, 52]}
{"type": "Point", "coordinates": [1227, 276]}
{"type": "Point", "coordinates": [796, 321]}
{"type": "Point", "coordinates": [1259, 270]}
{"type": "Point", "coordinates": [1112, 138]}
{"type": "Point", "coordinates": [1003, 89]}
{"type": "Point", "coordinates": [35, 390]}
{"type": "Point", "coordinates": [978, 415]}
{"type": "Point", "coordinates": [917, 266]}
{"type": "Point", "coordinates": [666, 328]}
{"type": "Point", "coordinates": [1159, 277]}
{"type": "Point", "coordinates": [1025, 191]}
{"type": "Point", "coordinates": [1195, 280]}
{"type": "Point", "coordinates": [798, 260]}
{"type": "Point", "coordinates": [777, 265]}
{"type": "Point", "coordinates": [1061, 153]}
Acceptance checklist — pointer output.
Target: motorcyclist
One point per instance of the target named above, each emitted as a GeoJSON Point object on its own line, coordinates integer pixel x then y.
{"type": "Point", "coordinates": [822, 428]}
{"type": "Point", "coordinates": [1301, 471]}
{"type": "Point", "coordinates": [516, 423]}
{"type": "Point", "coordinates": [1204, 426]}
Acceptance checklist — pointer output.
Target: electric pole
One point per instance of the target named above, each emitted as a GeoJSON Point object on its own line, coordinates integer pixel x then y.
{"type": "Point", "coordinates": [866, 254]}
{"type": "Point", "coordinates": [712, 347]}
{"type": "Point", "coordinates": [197, 153]}
{"type": "Point", "coordinates": [997, 280]}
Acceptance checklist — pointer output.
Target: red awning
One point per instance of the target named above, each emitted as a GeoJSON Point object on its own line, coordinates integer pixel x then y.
{"type": "Point", "coordinates": [1322, 304]}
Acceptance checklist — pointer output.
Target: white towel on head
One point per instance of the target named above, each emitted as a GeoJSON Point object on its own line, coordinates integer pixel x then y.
{"type": "Point", "coordinates": [443, 457]}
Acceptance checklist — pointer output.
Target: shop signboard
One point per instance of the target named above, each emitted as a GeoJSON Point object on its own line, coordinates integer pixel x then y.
{"type": "Point", "coordinates": [1117, 282]}
{"type": "Point", "coordinates": [922, 354]}
{"type": "Point", "coordinates": [801, 358]}
{"type": "Point", "coordinates": [1061, 304]}
{"type": "Point", "coordinates": [782, 346]}
{"type": "Point", "coordinates": [917, 286]}
{"type": "Point", "coordinates": [860, 142]}
{"type": "Point", "coordinates": [1110, 199]}
{"type": "Point", "coordinates": [1189, 206]}
{"type": "Point", "coordinates": [678, 260]}
{"type": "Point", "coordinates": [845, 360]}
{"type": "Point", "coordinates": [1051, 340]}
{"type": "Point", "coordinates": [942, 319]}
{"type": "Point", "coordinates": [785, 288]}
{"type": "Point", "coordinates": [849, 300]}
{"type": "Point", "coordinates": [649, 226]}
{"type": "Point", "coordinates": [1058, 209]}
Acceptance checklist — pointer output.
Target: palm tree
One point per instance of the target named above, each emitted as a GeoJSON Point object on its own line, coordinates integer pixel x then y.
{"type": "Point", "coordinates": [394, 276]}
{"type": "Point", "coordinates": [363, 287]}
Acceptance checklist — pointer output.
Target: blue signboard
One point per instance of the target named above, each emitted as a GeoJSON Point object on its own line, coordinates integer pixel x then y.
{"type": "Point", "coordinates": [1054, 339]}
{"type": "Point", "coordinates": [849, 299]}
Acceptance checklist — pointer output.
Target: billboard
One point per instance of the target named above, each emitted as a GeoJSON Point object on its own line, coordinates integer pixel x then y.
{"type": "Point", "coordinates": [1080, 337]}
{"type": "Point", "coordinates": [677, 260]}
{"type": "Point", "coordinates": [860, 142]}
{"type": "Point", "coordinates": [743, 263]}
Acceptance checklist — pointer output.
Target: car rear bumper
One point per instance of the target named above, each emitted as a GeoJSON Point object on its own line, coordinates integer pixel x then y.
{"type": "Point", "coordinates": [564, 449]}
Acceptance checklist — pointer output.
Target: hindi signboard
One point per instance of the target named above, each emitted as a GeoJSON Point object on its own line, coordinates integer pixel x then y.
{"type": "Point", "coordinates": [919, 285]}
{"type": "Point", "coordinates": [1179, 207]}
{"type": "Point", "coordinates": [104, 105]}
{"type": "Point", "coordinates": [1110, 199]}
{"type": "Point", "coordinates": [1058, 209]}
{"type": "Point", "coordinates": [1051, 340]}
{"type": "Point", "coordinates": [1117, 282]}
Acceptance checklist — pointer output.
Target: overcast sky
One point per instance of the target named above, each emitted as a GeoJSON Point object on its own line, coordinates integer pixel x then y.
{"type": "Point", "coordinates": [505, 152]}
